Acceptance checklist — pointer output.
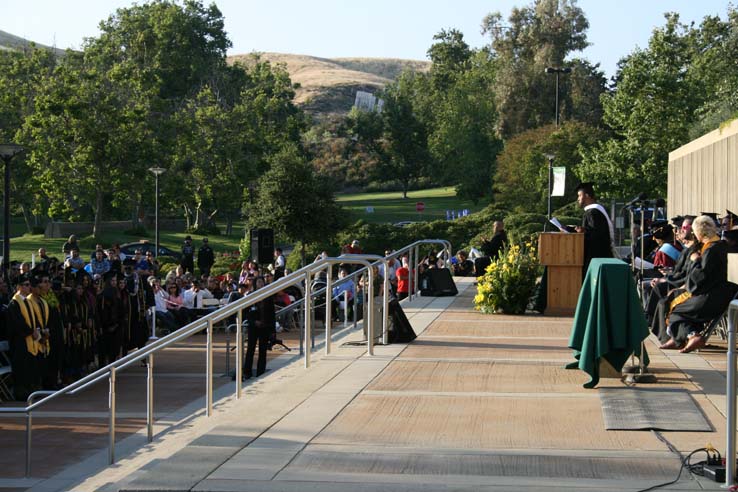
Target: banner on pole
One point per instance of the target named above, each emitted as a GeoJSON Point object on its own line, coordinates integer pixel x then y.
{"type": "Point", "coordinates": [559, 181]}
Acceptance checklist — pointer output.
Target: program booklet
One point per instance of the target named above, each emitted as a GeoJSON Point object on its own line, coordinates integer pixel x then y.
{"type": "Point", "coordinates": [561, 227]}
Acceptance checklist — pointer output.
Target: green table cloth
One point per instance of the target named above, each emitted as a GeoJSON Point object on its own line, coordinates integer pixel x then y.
{"type": "Point", "coordinates": [609, 321]}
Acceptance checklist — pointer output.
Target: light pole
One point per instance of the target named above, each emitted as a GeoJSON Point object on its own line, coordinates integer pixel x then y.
{"type": "Point", "coordinates": [550, 158]}
{"type": "Point", "coordinates": [557, 71]}
{"type": "Point", "coordinates": [7, 152]}
{"type": "Point", "coordinates": [157, 172]}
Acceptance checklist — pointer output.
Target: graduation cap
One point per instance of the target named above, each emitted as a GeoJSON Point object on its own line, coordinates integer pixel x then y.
{"type": "Point", "coordinates": [661, 229]}
{"type": "Point", "coordinates": [690, 217]}
{"type": "Point", "coordinates": [677, 221]}
{"type": "Point", "coordinates": [732, 219]}
{"type": "Point", "coordinates": [24, 278]}
{"type": "Point", "coordinates": [731, 235]}
{"type": "Point", "coordinates": [586, 187]}
{"type": "Point", "coordinates": [712, 215]}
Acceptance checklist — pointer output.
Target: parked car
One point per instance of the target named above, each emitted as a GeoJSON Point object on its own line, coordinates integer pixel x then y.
{"type": "Point", "coordinates": [404, 223]}
{"type": "Point", "coordinates": [129, 249]}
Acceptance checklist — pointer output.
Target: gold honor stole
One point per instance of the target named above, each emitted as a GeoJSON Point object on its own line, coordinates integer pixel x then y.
{"type": "Point", "coordinates": [39, 311]}
{"type": "Point", "coordinates": [687, 295]}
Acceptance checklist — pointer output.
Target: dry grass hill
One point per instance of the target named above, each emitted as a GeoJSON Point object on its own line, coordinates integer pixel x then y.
{"type": "Point", "coordinates": [12, 42]}
{"type": "Point", "coordinates": [329, 85]}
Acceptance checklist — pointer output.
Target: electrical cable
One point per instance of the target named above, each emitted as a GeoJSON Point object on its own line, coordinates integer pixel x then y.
{"type": "Point", "coordinates": [713, 457]}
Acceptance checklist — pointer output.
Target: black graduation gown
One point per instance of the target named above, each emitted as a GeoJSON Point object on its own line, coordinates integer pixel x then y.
{"type": "Point", "coordinates": [597, 241]}
{"type": "Point", "coordinates": [25, 366]}
{"type": "Point", "coordinates": [707, 281]}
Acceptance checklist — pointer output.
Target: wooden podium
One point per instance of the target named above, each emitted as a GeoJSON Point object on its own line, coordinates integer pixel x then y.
{"type": "Point", "coordinates": [563, 255]}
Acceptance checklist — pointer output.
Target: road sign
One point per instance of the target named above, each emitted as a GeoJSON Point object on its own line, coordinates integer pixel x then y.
{"type": "Point", "coordinates": [419, 207]}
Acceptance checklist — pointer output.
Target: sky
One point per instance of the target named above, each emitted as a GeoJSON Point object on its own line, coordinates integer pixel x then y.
{"type": "Point", "coordinates": [346, 28]}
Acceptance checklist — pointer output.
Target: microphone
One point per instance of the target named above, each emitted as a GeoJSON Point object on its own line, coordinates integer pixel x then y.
{"type": "Point", "coordinates": [635, 200]}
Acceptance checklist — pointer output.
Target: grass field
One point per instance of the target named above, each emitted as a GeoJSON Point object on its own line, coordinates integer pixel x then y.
{"type": "Point", "coordinates": [388, 207]}
{"type": "Point", "coordinates": [391, 207]}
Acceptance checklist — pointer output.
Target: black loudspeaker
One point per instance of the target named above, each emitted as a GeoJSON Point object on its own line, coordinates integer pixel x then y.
{"type": "Point", "coordinates": [437, 282]}
{"type": "Point", "coordinates": [262, 245]}
{"type": "Point", "coordinates": [399, 330]}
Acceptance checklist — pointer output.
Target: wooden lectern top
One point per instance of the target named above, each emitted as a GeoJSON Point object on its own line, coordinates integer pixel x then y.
{"type": "Point", "coordinates": [561, 249]}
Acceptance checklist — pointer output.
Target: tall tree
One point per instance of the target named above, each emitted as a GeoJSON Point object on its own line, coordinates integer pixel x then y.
{"type": "Point", "coordinates": [535, 37]}
{"type": "Point", "coordinates": [650, 112]}
{"type": "Point", "coordinates": [293, 201]}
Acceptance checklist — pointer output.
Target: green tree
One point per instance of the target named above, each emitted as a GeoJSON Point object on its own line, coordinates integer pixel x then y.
{"type": "Point", "coordinates": [463, 140]}
{"type": "Point", "coordinates": [521, 179]}
{"type": "Point", "coordinates": [538, 36]}
{"type": "Point", "coordinates": [650, 113]}
{"type": "Point", "coordinates": [294, 201]}
{"type": "Point", "coordinates": [450, 56]}
{"type": "Point", "coordinates": [405, 136]}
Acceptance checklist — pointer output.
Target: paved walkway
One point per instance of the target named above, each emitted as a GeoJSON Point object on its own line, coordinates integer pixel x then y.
{"type": "Point", "coordinates": [475, 403]}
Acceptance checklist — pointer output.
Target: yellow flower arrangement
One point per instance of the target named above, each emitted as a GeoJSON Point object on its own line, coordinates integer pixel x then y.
{"type": "Point", "coordinates": [508, 282]}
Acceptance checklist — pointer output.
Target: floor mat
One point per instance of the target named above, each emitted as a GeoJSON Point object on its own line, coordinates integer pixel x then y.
{"type": "Point", "coordinates": [646, 408]}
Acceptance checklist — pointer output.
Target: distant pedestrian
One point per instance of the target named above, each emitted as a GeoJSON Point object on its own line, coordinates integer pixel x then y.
{"type": "Point", "coordinates": [188, 255]}
{"type": "Point", "coordinates": [205, 257]}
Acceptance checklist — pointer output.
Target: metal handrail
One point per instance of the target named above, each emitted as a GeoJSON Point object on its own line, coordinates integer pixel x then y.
{"type": "Point", "coordinates": [730, 396]}
{"type": "Point", "coordinates": [303, 274]}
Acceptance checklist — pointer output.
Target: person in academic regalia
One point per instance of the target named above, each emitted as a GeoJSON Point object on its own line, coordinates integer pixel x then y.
{"type": "Point", "coordinates": [596, 226]}
{"type": "Point", "coordinates": [708, 291]}
{"type": "Point", "coordinates": [137, 331]}
{"type": "Point", "coordinates": [24, 336]}
{"type": "Point", "coordinates": [55, 326]}
{"type": "Point", "coordinates": [42, 314]}
{"type": "Point", "coordinates": [108, 313]}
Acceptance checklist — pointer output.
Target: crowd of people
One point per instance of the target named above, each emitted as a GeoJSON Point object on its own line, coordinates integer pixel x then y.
{"type": "Point", "coordinates": [685, 276]}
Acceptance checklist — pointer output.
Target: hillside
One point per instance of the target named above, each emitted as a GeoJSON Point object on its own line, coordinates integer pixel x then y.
{"type": "Point", "coordinates": [329, 85]}
{"type": "Point", "coordinates": [12, 42]}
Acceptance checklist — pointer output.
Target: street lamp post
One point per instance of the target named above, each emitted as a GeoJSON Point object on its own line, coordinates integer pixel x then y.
{"type": "Point", "coordinates": [157, 172]}
{"type": "Point", "coordinates": [550, 158]}
{"type": "Point", "coordinates": [7, 152]}
{"type": "Point", "coordinates": [557, 71]}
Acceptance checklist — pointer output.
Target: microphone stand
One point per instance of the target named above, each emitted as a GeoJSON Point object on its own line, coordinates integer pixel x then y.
{"type": "Point", "coordinates": [641, 376]}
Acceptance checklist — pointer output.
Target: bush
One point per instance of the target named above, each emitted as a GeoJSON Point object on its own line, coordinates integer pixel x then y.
{"type": "Point", "coordinates": [509, 281]}
{"type": "Point", "coordinates": [167, 267]}
{"type": "Point", "coordinates": [226, 262]}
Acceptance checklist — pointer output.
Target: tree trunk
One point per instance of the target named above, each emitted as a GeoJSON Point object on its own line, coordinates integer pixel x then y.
{"type": "Point", "coordinates": [405, 186]}
{"type": "Point", "coordinates": [187, 215]}
{"type": "Point", "coordinates": [27, 218]}
{"type": "Point", "coordinates": [229, 224]}
{"type": "Point", "coordinates": [98, 212]}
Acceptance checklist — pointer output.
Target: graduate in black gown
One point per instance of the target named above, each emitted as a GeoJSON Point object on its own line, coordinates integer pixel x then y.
{"type": "Point", "coordinates": [596, 226]}
{"type": "Point", "coordinates": [24, 336]}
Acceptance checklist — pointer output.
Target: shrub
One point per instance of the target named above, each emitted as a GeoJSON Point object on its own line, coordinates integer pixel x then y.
{"type": "Point", "coordinates": [509, 281]}
{"type": "Point", "coordinates": [165, 268]}
{"type": "Point", "coordinates": [226, 262]}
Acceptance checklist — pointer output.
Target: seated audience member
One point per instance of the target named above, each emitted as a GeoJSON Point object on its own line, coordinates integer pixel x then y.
{"type": "Point", "coordinates": [161, 298]}
{"type": "Point", "coordinates": [668, 249]}
{"type": "Point", "coordinates": [70, 245]}
{"type": "Point", "coordinates": [338, 291]}
{"type": "Point", "coordinates": [75, 262]}
{"type": "Point", "coordinates": [708, 291]}
{"type": "Point", "coordinates": [498, 242]}
{"type": "Point", "coordinates": [463, 266]}
{"type": "Point", "coordinates": [175, 304]}
{"type": "Point", "coordinates": [664, 289]}
{"type": "Point", "coordinates": [99, 264]}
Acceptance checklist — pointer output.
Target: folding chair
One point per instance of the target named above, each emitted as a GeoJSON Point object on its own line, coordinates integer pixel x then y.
{"type": "Point", "coordinates": [719, 325]}
{"type": "Point", "coordinates": [6, 372]}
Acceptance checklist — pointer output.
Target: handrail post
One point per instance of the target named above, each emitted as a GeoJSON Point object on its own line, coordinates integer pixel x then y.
{"type": "Point", "coordinates": [369, 318]}
{"type": "Point", "coordinates": [239, 352]}
{"type": "Point", "coordinates": [111, 422]}
{"type": "Point", "coordinates": [308, 318]}
{"type": "Point", "coordinates": [209, 370]}
{"type": "Point", "coordinates": [328, 308]}
{"type": "Point", "coordinates": [345, 307]}
{"type": "Point", "coordinates": [410, 264]}
{"type": "Point", "coordinates": [416, 266]}
{"type": "Point", "coordinates": [385, 302]}
{"type": "Point", "coordinates": [153, 337]}
{"type": "Point", "coordinates": [150, 398]}
{"type": "Point", "coordinates": [730, 394]}
{"type": "Point", "coordinates": [29, 426]}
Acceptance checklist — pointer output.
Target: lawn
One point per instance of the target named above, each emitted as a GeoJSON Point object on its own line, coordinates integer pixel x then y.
{"type": "Point", "coordinates": [391, 207]}
{"type": "Point", "coordinates": [22, 247]}
{"type": "Point", "coordinates": [388, 207]}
